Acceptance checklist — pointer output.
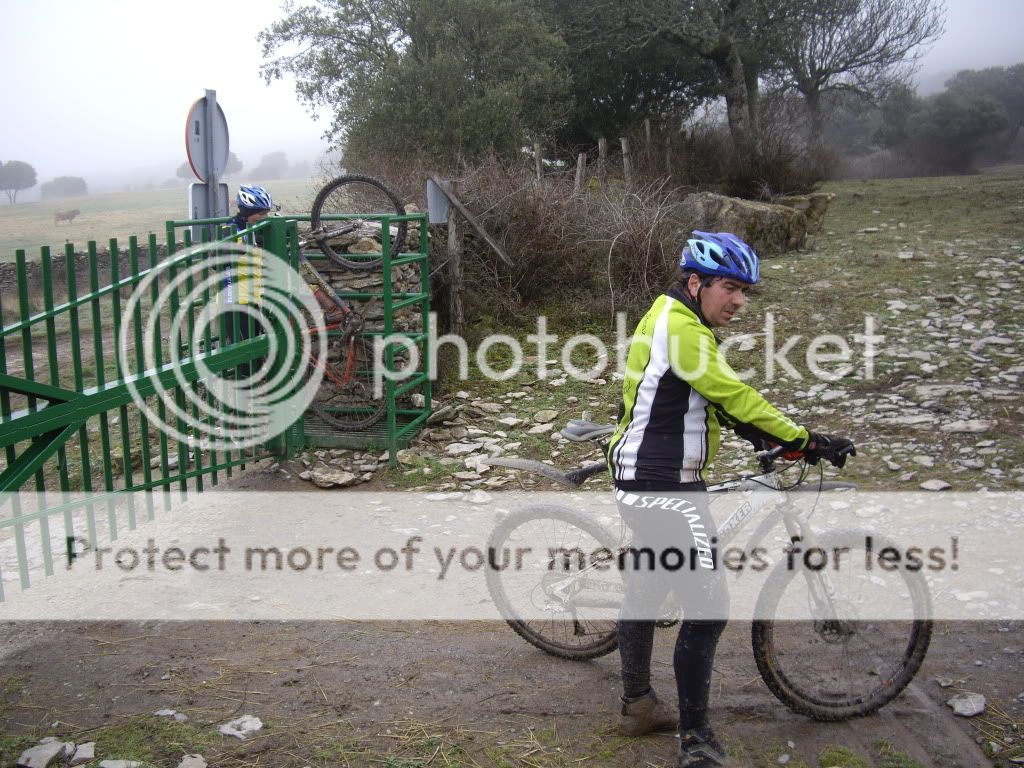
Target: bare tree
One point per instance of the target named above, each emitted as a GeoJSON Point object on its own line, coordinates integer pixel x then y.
{"type": "Point", "coordinates": [857, 46]}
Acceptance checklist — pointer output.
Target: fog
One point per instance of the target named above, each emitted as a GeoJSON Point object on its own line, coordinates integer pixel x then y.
{"type": "Point", "coordinates": [979, 34]}
{"type": "Point", "coordinates": [100, 88]}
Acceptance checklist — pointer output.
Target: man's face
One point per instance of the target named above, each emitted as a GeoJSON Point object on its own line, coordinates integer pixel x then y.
{"type": "Point", "coordinates": [720, 301]}
{"type": "Point", "coordinates": [256, 218]}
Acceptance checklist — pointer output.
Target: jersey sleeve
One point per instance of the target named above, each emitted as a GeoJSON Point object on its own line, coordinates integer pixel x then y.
{"type": "Point", "coordinates": [695, 358]}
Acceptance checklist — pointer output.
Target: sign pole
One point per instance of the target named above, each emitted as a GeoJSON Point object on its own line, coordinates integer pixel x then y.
{"type": "Point", "coordinates": [212, 179]}
{"type": "Point", "coordinates": [206, 145]}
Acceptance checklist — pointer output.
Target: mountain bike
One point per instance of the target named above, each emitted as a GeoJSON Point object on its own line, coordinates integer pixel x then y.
{"type": "Point", "coordinates": [346, 398]}
{"type": "Point", "coordinates": [347, 209]}
{"type": "Point", "coordinates": [834, 665]}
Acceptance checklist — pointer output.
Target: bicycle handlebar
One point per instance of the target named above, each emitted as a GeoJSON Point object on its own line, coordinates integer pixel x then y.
{"type": "Point", "coordinates": [590, 432]}
{"type": "Point", "coordinates": [766, 459]}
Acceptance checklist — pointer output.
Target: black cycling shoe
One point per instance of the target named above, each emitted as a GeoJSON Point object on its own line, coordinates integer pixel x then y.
{"type": "Point", "coordinates": [699, 748]}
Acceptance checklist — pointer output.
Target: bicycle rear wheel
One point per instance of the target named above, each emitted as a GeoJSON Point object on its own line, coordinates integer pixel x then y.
{"type": "Point", "coordinates": [556, 590]}
{"type": "Point", "coordinates": [362, 195]}
{"type": "Point", "coordinates": [346, 399]}
{"type": "Point", "coordinates": [835, 670]}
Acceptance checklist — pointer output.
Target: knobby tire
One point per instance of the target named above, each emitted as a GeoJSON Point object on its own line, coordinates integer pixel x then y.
{"type": "Point", "coordinates": [563, 637]}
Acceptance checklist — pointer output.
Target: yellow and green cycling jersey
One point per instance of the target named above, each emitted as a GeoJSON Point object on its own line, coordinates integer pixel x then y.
{"type": "Point", "coordinates": [677, 385]}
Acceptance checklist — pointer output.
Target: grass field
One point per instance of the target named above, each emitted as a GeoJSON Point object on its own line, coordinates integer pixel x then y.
{"type": "Point", "coordinates": [118, 214]}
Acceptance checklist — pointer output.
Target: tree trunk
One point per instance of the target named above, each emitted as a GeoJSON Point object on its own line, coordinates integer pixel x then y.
{"type": "Point", "coordinates": [739, 109]}
{"type": "Point", "coordinates": [812, 97]}
{"type": "Point", "coordinates": [1014, 132]}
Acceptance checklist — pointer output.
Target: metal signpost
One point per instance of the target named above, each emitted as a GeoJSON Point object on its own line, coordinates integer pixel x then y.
{"type": "Point", "coordinates": [206, 144]}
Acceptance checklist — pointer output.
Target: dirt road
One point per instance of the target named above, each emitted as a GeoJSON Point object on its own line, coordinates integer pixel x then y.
{"type": "Point", "coordinates": [414, 694]}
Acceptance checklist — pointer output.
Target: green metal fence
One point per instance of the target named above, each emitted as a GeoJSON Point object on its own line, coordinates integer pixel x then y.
{"type": "Point", "coordinates": [72, 434]}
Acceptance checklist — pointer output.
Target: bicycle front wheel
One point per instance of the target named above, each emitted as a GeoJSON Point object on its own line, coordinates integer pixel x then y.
{"type": "Point", "coordinates": [837, 660]}
{"type": "Point", "coordinates": [346, 398]}
{"type": "Point", "coordinates": [356, 194]}
{"type": "Point", "coordinates": [554, 580]}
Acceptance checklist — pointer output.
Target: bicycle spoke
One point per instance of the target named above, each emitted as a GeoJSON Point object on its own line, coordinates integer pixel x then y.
{"type": "Point", "coordinates": [346, 398]}
{"type": "Point", "coordinates": [550, 589]}
{"type": "Point", "coordinates": [363, 196]}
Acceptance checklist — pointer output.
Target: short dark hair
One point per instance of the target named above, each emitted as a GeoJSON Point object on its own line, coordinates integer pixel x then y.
{"type": "Point", "coordinates": [682, 277]}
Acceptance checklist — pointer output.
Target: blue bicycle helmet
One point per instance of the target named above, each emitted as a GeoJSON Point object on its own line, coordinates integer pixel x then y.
{"type": "Point", "coordinates": [720, 254]}
{"type": "Point", "coordinates": [252, 198]}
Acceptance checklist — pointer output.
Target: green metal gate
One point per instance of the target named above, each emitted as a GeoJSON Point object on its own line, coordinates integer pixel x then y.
{"type": "Point", "coordinates": [72, 436]}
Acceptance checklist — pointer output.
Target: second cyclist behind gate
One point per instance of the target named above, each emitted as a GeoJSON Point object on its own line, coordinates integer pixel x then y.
{"type": "Point", "coordinates": [254, 205]}
{"type": "Point", "coordinates": [677, 392]}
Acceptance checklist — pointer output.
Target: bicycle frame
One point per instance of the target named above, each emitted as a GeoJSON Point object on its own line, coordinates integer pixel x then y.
{"type": "Point", "coordinates": [572, 610]}
{"type": "Point", "coordinates": [764, 491]}
{"type": "Point", "coordinates": [349, 341]}
{"type": "Point", "coordinates": [326, 234]}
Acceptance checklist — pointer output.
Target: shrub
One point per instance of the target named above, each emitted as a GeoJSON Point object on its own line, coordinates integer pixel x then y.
{"type": "Point", "coordinates": [574, 250]}
{"type": "Point", "coordinates": [63, 186]}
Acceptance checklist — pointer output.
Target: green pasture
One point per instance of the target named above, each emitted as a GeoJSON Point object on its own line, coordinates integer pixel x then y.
{"type": "Point", "coordinates": [118, 214]}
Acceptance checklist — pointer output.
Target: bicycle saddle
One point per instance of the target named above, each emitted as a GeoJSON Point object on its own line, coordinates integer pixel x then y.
{"type": "Point", "coordinates": [580, 431]}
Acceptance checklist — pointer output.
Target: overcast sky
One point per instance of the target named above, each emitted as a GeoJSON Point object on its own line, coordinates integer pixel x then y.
{"type": "Point", "coordinates": [94, 88]}
{"type": "Point", "coordinates": [101, 88]}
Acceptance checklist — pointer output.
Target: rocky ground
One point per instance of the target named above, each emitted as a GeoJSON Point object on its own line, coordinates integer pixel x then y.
{"type": "Point", "coordinates": [931, 269]}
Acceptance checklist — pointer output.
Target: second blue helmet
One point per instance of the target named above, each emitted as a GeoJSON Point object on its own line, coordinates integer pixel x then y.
{"type": "Point", "coordinates": [254, 198]}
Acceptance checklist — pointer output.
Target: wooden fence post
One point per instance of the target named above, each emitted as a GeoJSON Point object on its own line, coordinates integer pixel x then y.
{"type": "Point", "coordinates": [668, 154]}
{"type": "Point", "coordinates": [581, 171]}
{"type": "Point", "coordinates": [602, 161]}
{"type": "Point", "coordinates": [456, 313]}
{"type": "Point", "coordinates": [627, 163]}
{"type": "Point", "coordinates": [537, 161]}
{"type": "Point", "coordinates": [648, 149]}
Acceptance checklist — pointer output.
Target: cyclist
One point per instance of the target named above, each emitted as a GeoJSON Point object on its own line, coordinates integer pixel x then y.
{"type": "Point", "coordinates": [242, 281]}
{"type": "Point", "coordinates": [254, 205]}
{"type": "Point", "coordinates": [677, 392]}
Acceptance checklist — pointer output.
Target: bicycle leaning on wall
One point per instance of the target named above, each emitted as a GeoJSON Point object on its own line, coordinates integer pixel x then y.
{"type": "Point", "coordinates": [343, 213]}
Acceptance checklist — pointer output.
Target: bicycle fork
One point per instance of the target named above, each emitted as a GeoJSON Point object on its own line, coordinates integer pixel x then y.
{"type": "Point", "coordinates": [823, 597]}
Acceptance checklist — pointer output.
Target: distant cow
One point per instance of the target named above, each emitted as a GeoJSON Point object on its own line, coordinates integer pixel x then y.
{"type": "Point", "coordinates": [68, 216]}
